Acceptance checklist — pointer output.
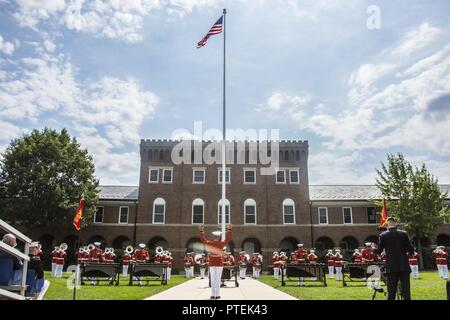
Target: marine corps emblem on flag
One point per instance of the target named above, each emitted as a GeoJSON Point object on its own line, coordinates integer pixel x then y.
{"type": "Point", "coordinates": [79, 215]}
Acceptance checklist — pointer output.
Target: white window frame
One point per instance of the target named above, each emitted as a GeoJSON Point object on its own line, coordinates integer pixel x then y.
{"type": "Point", "coordinates": [288, 202]}
{"type": "Point", "coordinates": [155, 203]}
{"type": "Point", "coordinates": [193, 175]}
{"type": "Point", "coordinates": [247, 203]}
{"type": "Point", "coordinates": [128, 214]}
{"type": "Point", "coordinates": [219, 206]}
{"type": "Point", "coordinates": [95, 215]}
{"type": "Point", "coordinates": [318, 214]}
{"type": "Point", "coordinates": [171, 175]}
{"type": "Point", "coordinates": [249, 169]}
{"type": "Point", "coordinates": [219, 170]}
{"type": "Point", "coordinates": [351, 215]}
{"type": "Point", "coordinates": [298, 176]}
{"type": "Point", "coordinates": [284, 175]}
{"type": "Point", "coordinates": [192, 210]}
{"type": "Point", "coordinates": [150, 169]}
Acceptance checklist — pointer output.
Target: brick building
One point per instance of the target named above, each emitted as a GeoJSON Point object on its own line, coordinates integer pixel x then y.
{"type": "Point", "coordinates": [268, 212]}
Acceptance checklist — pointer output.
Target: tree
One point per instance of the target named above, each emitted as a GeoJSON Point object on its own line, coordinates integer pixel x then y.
{"type": "Point", "coordinates": [414, 196]}
{"type": "Point", "coordinates": [42, 177]}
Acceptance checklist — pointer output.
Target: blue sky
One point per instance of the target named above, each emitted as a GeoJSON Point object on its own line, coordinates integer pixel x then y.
{"type": "Point", "coordinates": [113, 72]}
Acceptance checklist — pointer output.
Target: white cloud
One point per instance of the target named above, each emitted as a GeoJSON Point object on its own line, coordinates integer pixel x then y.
{"type": "Point", "coordinates": [6, 47]}
{"type": "Point", "coordinates": [104, 18]}
{"type": "Point", "coordinates": [416, 39]}
{"type": "Point", "coordinates": [106, 113]}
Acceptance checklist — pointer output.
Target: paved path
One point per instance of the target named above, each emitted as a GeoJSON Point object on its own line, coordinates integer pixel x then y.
{"type": "Point", "coordinates": [197, 289]}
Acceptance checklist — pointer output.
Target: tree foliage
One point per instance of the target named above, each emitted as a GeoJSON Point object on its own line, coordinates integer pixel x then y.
{"type": "Point", "coordinates": [414, 196]}
{"type": "Point", "coordinates": [42, 177]}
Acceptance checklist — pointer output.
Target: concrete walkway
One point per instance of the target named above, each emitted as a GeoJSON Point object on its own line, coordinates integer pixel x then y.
{"type": "Point", "coordinates": [197, 289]}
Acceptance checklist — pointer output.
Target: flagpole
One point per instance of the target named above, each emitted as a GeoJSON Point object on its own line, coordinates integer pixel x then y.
{"type": "Point", "coordinates": [224, 131]}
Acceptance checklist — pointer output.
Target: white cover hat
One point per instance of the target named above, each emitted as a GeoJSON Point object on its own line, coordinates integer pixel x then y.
{"type": "Point", "coordinates": [217, 233]}
{"type": "Point", "coordinates": [141, 245]}
{"type": "Point", "coordinates": [300, 245]}
{"type": "Point", "coordinates": [97, 244]}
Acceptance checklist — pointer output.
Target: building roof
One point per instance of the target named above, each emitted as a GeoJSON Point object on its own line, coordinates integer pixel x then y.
{"type": "Point", "coordinates": [351, 192]}
{"type": "Point", "coordinates": [119, 192]}
{"type": "Point", "coordinates": [316, 192]}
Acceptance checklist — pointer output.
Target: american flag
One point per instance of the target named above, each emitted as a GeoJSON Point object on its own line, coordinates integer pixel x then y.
{"type": "Point", "coordinates": [215, 29]}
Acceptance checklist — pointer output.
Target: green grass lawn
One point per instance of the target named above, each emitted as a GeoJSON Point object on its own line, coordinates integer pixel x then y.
{"type": "Point", "coordinates": [428, 287]}
{"type": "Point", "coordinates": [58, 289]}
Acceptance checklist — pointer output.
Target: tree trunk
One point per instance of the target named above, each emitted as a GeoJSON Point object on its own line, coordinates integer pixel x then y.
{"type": "Point", "coordinates": [419, 248]}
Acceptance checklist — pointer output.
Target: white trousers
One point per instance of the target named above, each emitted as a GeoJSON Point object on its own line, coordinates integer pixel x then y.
{"type": "Point", "coordinates": [331, 271]}
{"type": "Point", "coordinates": [443, 270]}
{"type": "Point", "coordinates": [414, 271]}
{"type": "Point", "coordinates": [169, 273]}
{"type": "Point", "coordinates": [242, 272]}
{"type": "Point", "coordinates": [338, 273]}
{"type": "Point", "coordinates": [216, 276]}
{"type": "Point", "coordinates": [276, 273]}
{"type": "Point", "coordinates": [202, 273]}
{"type": "Point", "coordinates": [59, 270]}
{"type": "Point", "coordinates": [124, 270]}
{"type": "Point", "coordinates": [256, 272]}
{"type": "Point", "coordinates": [189, 272]}
{"type": "Point", "coordinates": [53, 269]}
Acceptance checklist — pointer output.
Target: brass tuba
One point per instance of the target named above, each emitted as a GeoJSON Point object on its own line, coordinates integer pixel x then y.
{"type": "Point", "coordinates": [129, 249]}
{"type": "Point", "coordinates": [91, 246]}
{"type": "Point", "coordinates": [159, 250]}
{"type": "Point", "coordinates": [63, 247]}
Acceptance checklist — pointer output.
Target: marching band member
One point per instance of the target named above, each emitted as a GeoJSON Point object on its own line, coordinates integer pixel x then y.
{"type": "Point", "coordinates": [330, 263]}
{"type": "Point", "coordinates": [126, 258]}
{"type": "Point", "coordinates": [367, 254]}
{"type": "Point", "coordinates": [60, 262]}
{"type": "Point", "coordinates": [215, 258]}
{"type": "Point", "coordinates": [356, 257]}
{"type": "Point", "coordinates": [202, 265]}
{"type": "Point", "coordinates": [441, 261]}
{"type": "Point", "coordinates": [276, 265]}
{"type": "Point", "coordinates": [413, 260]}
{"type": "Point", "coordinates": [293, 258]}
{"type": "Point", "coordinates": [189, 265]}
{"type": "Point", "coordinates": [141, 255]}
{"type": "Point", "coordinates": [95, 256]}
{"type": "Point", "coordinates": [54, 255]}
{"type": "Point", "coordinates": [338, 262]}
{"type": "Point", "coordinates": [256, 264]}
{"type": "Point", "coordinates": [283, 260]}
{"type": "Point", "coordinates": [169, 261]}
{"type": "Point", "coordinates": [96, 253]}
{"type": "Point", "coordinates": [312, 259]}
{"type": "Point", "coordinates": [242, 261]}
{"type": "Point", "coordinates": [301, 253]}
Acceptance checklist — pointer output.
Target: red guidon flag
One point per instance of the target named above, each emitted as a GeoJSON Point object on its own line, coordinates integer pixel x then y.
{"type": "Point", "coordinates": [79, 215]}
{"type": "Point", "coordinates": [384, 214]}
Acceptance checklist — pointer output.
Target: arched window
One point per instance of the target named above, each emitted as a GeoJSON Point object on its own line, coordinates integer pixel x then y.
{"type": "Point", "coordinates": [159, 211]}
{"type": "Point", "coordinates": [349, 243]}
{"type": "Point", "coordinates": [251, 245]}
{"type": "Point", "coordinates": [324, 243]}
{"type": "Point", "coordinates": [198, 209]}
{"type": "Point", "coordinates": [227, 211]}
{"type": "Point", "coordinates": [288, 211]}
{"type": "Point", "coordinates": [121, 242]}
{"type": "Point", "coordinates": [250, 211]}
{"type": "Point", "coordinates": [288, 244]}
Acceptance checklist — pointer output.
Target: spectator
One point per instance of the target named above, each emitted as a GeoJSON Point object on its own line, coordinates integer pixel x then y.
{"type": "Point", "coordinates": [397, 245]}
{"type": "Point", "coordinates": [10, 240]}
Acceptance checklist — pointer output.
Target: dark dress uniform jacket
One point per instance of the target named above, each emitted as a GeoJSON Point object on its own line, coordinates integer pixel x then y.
{"type": "Point", "coordinates": [396, 244]}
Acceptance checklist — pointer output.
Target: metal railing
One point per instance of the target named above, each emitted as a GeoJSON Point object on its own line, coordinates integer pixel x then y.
{"type": "Point", "coordinates": [24, 256]}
